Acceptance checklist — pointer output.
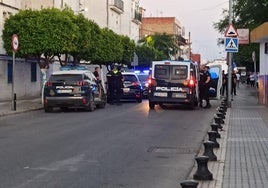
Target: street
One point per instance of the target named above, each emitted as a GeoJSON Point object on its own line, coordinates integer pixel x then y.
{"type": "Point", "coordinates": [118, 146]}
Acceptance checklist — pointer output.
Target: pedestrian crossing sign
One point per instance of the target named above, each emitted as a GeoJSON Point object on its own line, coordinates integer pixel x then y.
{"type": "Point", "coordinates": [231, 44]}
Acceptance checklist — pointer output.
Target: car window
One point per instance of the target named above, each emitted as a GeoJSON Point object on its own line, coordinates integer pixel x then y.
{"type": "Point", "coordinates": [66, 77]}
{"type": "Point", "coordinates": [143, 77]}
{"type": "Point", "coordinates": [130, 78]}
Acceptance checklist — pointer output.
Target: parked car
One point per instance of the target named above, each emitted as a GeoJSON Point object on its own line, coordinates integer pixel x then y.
{"type": "Point", "coordinates": [143, 77]}
{"type": "Point", "coordinates": [73, 89]}
{"type": "Point", "coordinates": [132, 87]}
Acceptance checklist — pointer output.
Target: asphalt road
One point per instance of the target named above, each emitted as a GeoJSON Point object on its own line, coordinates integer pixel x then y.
{"type": "Point", "coordinates": [118, 146]}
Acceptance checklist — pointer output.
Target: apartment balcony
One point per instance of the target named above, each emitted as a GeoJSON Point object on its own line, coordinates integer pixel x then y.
{"type": "Point", "coordinates": [137, 18]}
{"type": "Point", "coordinates": [117, 6]}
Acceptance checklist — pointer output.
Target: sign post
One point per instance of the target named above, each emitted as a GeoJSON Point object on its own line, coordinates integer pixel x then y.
{"type": "Point", "coordinates": [15, 46]}
{"type": "Point", "coordinates": [254, 61]}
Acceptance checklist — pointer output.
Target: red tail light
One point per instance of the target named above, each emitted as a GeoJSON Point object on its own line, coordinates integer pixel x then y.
{"type": "Point", "coordinates": [135, 83]}
{"type": "Point", "coordinates": [151, 82]}
{"type": "Point", "coordinates": [191, 82]}
{"type": "Point", "coordinates": [81, 83]}
{"type": "Point", "coordinates": [84, 101]}
{"type": "Point", "coordinates": [48, 83]}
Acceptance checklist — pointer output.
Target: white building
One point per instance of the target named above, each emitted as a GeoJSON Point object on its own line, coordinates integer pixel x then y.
{"type": "Point", "coordinates": [121, 16]}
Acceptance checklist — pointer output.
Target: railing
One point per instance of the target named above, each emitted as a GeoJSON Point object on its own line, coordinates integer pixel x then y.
{"type": "Point", "coordinates": [138, 16]}
{"type": "Point", "coordinates": [118, 6]}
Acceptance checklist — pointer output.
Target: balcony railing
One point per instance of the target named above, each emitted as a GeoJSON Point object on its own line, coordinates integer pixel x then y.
{"type": "Point", "coordinates": [118, 6]}
{"type": "Point", "coordinates": [137, 17]}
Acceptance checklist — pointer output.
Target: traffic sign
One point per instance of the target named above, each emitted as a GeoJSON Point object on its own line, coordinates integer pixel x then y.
{"type": "Point", "coordinates": [15, 42]}
{"type": "Point", "coordinates": [231, 44]}
{"type": "Point", "coordinates": [230, 31]}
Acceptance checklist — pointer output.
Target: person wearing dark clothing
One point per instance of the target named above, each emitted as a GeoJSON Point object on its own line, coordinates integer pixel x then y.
{"type": "Point", "coordinates": [115, 85]}
{"type": "Point", "coordinates": [234, 78]}
{"type": "Point", "coordinates": [204, 85]}
{"type": "Point", "coordinates": [224, 83]}
{"type": "Point", "coordinates": [118, 81]}
{"type": "Point", "coordinates": [96, 73]}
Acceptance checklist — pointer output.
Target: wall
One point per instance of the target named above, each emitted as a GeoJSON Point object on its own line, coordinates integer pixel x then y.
{"type": "Point", "coordinates": [23, 86]}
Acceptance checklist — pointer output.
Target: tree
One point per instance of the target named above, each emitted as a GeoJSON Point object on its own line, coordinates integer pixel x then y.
{"type": "Point", "coordinates": [42, 34]}
{"type": "Point", "coordinates": [247, 14]}
{"type": "Point", "coordinates": [110, 49]}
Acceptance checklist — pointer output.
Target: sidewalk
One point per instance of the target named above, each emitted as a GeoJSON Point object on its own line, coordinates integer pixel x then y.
{"type": "Point", "coordinates": [243, 154]}
{"type": "Point", "coordinates": [21, 106]}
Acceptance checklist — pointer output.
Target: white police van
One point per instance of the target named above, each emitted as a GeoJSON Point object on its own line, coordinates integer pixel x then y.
{"type": "Point", "coordinates": [173, 82]}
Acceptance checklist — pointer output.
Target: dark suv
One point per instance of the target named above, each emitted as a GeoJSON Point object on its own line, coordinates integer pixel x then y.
{"type": "Point", "coordinates": [132, 87]}
{"type": "Point", "coordinates": [73, 89]}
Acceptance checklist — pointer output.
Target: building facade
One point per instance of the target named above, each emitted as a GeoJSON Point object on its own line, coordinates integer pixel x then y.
{"type": "Point", "coordinates": [260, 35]}
{"type": "Point", "coordinates": [168, 25]}
{"type": "Point", "coordinates": [121, 16]}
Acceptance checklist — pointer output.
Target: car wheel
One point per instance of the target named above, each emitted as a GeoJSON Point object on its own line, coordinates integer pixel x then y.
{"type": "Point", "coordinates": [139, 100]}
{"type": "Point", "coordinates": [151, 105]}
{"type": "Point", "coordinates": [48, 109]}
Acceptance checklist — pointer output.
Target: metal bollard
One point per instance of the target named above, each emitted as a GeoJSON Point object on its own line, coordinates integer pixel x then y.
{"type": "Point", "coordinates": [189, 184]}
{"type": "Point", "coordinates": [218, 120]}
{"type": "Point", "coordinates": [209, 151]}
{"type": "Point", "coordinates": [202, 172]}
{"type": "Point", "coordinates": [215, 127]}
{"type": "Point", "coordinates": [223, 107]}
{"type": "Point", "coordinates": [221, 110]}
{"type": "Point", "coordinates": [212, 137]}
{"type": "Point", "coordinates": [221, 115]}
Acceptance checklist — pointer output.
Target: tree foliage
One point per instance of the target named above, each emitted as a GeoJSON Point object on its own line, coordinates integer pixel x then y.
{"type": "Point", "coordinates": [49, 33]}
{"type": "Point", "coordinates": [156, 47]}
{"type": "Point", "coordinates": [246, 14]}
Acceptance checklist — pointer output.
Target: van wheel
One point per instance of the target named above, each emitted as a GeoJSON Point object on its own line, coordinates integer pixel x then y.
{"type": "Point", "coordinates": [151, 105]}
{"type": "Point", "coordinates": [48, 109]}
{"type": "Point", "coordinates": [91, 104]}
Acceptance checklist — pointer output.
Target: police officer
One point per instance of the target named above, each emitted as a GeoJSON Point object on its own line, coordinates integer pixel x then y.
{"type": "Point", "coordinates": [115, 85]}
{"type": "Point", "coordinates": [204, 85]}
{"type": "Point", "coordinates": [110, 85]}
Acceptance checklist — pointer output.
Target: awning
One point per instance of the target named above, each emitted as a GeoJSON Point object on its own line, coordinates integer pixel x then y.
{"type": "Point", "coordinates": [259, 34]}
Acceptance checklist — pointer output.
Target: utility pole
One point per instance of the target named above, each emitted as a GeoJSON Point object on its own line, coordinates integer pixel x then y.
{"type": "Point", "coordinates": [230, 58]}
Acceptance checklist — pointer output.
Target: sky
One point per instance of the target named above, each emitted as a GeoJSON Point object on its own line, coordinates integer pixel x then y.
{"type": "Point", "coordinates": [197, 17]}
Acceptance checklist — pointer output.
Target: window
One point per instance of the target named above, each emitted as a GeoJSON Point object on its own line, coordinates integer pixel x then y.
{"type": "Point", "coordinates": [179, 72]}
{"type": "Point", "coordinates": [161, 72]}
{"type": "Point", "coordinates": [9, 72]}
{"type": "Point", "coordinates": [33, 72]}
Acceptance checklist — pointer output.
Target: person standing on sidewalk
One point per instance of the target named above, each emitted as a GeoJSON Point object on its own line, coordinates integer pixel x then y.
{"type": "Point", "coordinates": [234, 81]}
{"type": "Point", "coordinates": [204, 85]}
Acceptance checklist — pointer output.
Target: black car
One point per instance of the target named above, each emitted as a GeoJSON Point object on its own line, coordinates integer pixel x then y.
{"type": "Point", "coordinates": [73, 89]}
{"type": "Point", "coordinates": [132, 87]}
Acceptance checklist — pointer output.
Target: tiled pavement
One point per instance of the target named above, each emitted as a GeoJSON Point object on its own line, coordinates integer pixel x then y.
{"type": "Point", "coordinates": [243, 154]}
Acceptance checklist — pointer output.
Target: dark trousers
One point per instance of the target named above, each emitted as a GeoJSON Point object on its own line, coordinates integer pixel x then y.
{"type": "Point", "coordinates": [204, 94]}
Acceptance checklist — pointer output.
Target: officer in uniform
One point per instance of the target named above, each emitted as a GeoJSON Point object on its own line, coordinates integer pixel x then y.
{"type": "Point", "coordinates": [110, 85]}
{"type": "Point", "coordinates": [115, 85]}
{"type": "Point", "coordinates": [204, 85]}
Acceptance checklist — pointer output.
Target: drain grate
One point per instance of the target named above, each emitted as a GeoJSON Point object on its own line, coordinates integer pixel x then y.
{"type": "Point", "coordinates": [179, 150]}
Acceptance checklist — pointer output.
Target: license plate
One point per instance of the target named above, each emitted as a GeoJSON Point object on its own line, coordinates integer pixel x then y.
{"type": "Point", "coordinates": [126, 90]}
{"type": "Point", "coordinates": [179, 95]}
{"type": "Point", "coordinates": [64, 91]}
{"type": "Point", "coordinates": [160, 94]}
